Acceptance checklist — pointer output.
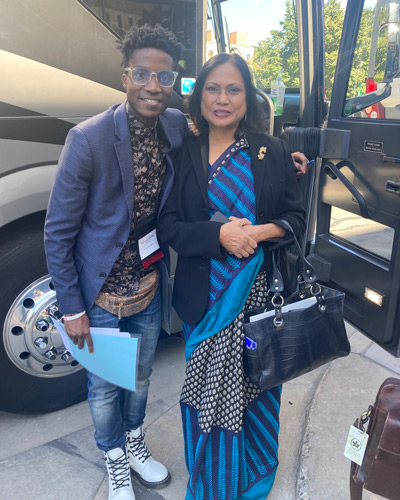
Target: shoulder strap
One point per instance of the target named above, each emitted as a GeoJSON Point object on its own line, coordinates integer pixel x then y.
{"type": "Point", "coordinates": [355, 488]}
{"type": "Point", "coordinates": [306, 269]}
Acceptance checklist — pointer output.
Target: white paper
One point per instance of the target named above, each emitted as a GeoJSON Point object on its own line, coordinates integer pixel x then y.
{"type": "Point", "coordinates": [99, 331]}
{"type": "Point", "coordinates": [114, 332]}
{"type": "Point", "coordinates": [148, 244]}
{"type": "Point", "coordinates": [302, 304]}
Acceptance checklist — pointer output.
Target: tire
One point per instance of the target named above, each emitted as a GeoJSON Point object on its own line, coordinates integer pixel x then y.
{"type": "Point", "coordinates": [30, 382]}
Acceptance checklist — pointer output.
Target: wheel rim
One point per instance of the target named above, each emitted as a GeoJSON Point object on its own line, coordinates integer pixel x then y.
{"type": "Point", "coordinates": [31, 340]}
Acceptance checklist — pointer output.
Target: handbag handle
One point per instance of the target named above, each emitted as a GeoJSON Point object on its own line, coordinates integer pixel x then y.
{"type": "Point", "coordinates": [308, 274]}
{"type": "Point", "coordinates": [307, 271]}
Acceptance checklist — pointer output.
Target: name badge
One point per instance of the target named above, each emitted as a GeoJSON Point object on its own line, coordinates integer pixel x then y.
{"type": "Point", "coordinates": [356, 445]}
{"type": "Point", "coordinates": [149, 248]}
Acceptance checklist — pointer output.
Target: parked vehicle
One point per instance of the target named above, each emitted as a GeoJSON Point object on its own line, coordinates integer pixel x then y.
{"type": "Point", "coordinates": [60, 65]}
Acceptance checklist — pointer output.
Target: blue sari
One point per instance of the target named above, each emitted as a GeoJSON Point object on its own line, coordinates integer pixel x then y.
{"type": "Point", "coordinates": [230, 427]}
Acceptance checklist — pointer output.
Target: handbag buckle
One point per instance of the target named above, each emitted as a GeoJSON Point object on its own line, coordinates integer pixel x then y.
{"type": "Point", "coordinates": [365, 416]}
{"type": "Point", "coordinates": [278, 322]}
{"type": "Point", "coordinates": [316, 291]}
{"type": "Point", "coordinates": [274, 303]}
{"type": "Point", "coordinates": [278, 319]}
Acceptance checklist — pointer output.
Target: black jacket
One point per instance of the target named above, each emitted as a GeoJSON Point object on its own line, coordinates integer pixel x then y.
{"type": "Point", "coordinates": [184, 221]}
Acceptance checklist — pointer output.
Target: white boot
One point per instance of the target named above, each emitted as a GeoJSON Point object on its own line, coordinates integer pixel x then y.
{"type": "Point", "coordinates": [119, 475]}
{"type": "Point", "coordinates": [151, 473]}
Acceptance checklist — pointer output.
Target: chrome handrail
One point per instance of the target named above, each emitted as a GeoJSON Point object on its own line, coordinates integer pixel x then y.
{"type": "Point", "coordinates": [271, 110]}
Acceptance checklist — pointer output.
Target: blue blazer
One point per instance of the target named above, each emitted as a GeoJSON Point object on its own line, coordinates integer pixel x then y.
{"type": "Point", "coordinates": [91, 204]}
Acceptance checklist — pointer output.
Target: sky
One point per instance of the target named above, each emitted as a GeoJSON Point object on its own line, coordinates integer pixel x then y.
{"type": "Point", "coordinates": [240, 15]}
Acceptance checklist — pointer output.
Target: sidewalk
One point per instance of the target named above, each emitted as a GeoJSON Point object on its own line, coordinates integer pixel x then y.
{"type": "Point", "coordinates": [53, 457]}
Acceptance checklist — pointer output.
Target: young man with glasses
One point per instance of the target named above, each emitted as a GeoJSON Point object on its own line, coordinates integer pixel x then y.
{"type": "Point", "coordinates": [114, 175]}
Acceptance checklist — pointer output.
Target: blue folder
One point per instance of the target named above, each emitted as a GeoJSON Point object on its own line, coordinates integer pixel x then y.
{"type": "Point", "coordinates": [115, 354]}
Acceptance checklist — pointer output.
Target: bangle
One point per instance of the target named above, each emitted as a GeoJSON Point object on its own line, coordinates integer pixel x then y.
{"type": "Point", "coordinates": [70, 317]}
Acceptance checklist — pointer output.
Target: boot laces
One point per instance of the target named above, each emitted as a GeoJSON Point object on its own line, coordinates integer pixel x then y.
{"type": "Point", "coordinates": [138, 447]}
{"type": "Point", "coordinates": [119, 471]}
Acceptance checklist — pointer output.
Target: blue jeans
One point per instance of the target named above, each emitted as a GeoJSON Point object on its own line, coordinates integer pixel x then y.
{"type": "Point", "coordinates": [115, 410]}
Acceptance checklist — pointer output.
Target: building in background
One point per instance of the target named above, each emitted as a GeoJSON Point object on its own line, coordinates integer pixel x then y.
{"type": "Point", "coordinates": [238, 41]}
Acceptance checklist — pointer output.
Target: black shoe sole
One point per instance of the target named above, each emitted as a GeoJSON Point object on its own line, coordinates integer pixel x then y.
{"type": "Point", "coordinates": [152, 485]}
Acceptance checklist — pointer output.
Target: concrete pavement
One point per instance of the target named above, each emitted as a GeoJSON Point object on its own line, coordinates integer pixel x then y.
{"type": "Point", "coordinates": [53, 457]}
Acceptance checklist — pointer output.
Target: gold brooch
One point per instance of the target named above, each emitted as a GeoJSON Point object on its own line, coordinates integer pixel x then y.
{"type": "Point", "coordinates": [261, 153]}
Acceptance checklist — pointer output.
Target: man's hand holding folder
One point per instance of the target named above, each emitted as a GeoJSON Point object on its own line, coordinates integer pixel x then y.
{"type": "Point", "coordinates": [78, 331]}
{"type": "Point", "coordinates": [114, 358]}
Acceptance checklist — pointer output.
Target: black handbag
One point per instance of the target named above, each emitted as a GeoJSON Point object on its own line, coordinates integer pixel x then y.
{"type": "Point", "coordinates": [293, 336]}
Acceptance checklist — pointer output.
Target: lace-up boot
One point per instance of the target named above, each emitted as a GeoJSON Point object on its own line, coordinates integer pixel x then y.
{"type": "Point", "coordinates": [151, 473]}
{"type": "Point", "coordinates": [119, 475]}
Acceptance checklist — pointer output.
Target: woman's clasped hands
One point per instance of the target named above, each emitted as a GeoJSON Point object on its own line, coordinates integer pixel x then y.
{"type": "Point", "coordinates": [240, 237]}
{"type": "Point", "coordinates": [235, 239]}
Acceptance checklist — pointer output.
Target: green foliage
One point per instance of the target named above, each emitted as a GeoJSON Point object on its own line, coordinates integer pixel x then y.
{"type": "Point", "coordinates": [359, 70]}
{"type": "Point", "coordinates": [279, 51]}
{"type": "Point", "coordinates": [334, 17]}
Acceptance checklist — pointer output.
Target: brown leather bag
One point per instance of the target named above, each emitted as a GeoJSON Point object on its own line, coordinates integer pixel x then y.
{"type": "Point", "coordinates": [380, 469]}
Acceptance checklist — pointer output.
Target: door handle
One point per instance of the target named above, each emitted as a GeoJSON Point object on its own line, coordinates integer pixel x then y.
{"type": "Point", "coordinates": [353, 190]}
{"type": "Point", "coordinates": [391, 159]}
{"type": "Point", "coordinates": [393, 187]}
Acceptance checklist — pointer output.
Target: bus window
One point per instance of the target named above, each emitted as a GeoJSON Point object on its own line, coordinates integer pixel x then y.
{"type": "Point", "coordinates": [367, 234]}
{"type": "Point", "coordinates": [374, 85]}
{"type": "Point", "coordinates": [177, 16]}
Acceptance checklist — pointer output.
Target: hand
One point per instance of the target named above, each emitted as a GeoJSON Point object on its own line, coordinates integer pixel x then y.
{"type": "Point", "coordinates": [300, 162]}
{"type": "Point", "coordinates": [78, 331]}
{"type": "Point", "coordinates": [235, 240]}
{"type": "Point", "coordinates": [265, 232]}
{"type": "Point", "coordinates": [193, 129]}
{"type": "Point", "coordinates": [243, 222]}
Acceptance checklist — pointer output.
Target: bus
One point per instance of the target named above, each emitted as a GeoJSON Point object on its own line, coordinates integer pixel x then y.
{"type": "Point", "coordinates": [61, 65]}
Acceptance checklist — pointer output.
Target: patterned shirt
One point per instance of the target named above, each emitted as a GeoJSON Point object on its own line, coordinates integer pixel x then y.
{"type": "Point", "coordinates": [149, 172]}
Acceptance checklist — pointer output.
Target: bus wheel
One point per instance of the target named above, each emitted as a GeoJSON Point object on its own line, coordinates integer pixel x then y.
{"type": "Point", "coordinates": [37, 374]}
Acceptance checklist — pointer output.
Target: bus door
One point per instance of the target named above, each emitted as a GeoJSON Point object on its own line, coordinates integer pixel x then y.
{"type": "Point", "coordinates": [356, 247]}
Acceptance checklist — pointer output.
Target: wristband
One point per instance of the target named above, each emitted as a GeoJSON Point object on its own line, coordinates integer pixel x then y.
{"type": "Point", "coordinates": [70, 317]}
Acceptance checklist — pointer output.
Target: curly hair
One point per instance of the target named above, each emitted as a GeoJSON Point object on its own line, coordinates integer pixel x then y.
{"type": "Point", "coordinates": [144, 37]}
{"type": "Point", "coordinates": [254, 120]}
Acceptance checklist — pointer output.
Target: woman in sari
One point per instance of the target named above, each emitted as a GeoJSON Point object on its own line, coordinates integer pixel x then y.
{"type": "Point", "coordinates": [232, 186]}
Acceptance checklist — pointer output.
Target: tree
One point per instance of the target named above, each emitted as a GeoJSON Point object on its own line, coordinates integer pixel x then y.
{"type": "Point", "coordinates": [279, 52]}
{"type": "Point", "coordinates": [334, 17]}
{"type": "Point", "coordinates": [362, 53]}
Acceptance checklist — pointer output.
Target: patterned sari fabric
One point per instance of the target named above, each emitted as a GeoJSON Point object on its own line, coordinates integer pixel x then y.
{"type": "Point", "coordinates": [230, 426]}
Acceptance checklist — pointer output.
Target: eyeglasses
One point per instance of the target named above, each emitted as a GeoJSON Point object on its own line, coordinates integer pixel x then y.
{"type": "Point", "coordinates": [142, 76]}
